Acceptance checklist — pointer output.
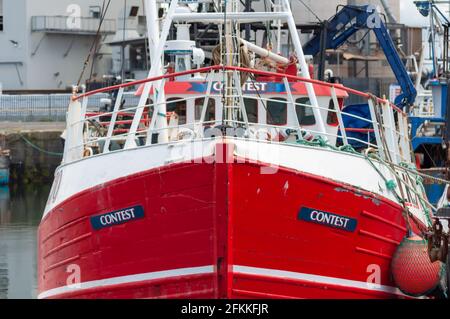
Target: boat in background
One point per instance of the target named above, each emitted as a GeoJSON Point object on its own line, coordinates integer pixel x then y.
{"type": "Point", "coordinates": [228, 181]}
{"type": "Point", "coordinates": [5, 162]}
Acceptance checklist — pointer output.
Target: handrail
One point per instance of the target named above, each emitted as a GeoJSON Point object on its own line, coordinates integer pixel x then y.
{"type": "Point", "coordinates": [394, 130]}
{"type": "Point", "coordinates": [152, 79]}
{"type": "Point", "coordinates": [241, 69]}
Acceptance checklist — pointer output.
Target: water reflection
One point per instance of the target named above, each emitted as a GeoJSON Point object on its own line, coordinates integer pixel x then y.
{"type": "Point", "coordinates": [20, 212]}
{"type": "Point", "coordinates": [4, 213]}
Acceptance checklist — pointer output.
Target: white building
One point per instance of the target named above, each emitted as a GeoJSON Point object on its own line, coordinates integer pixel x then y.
{"type": "Point", "coordinates": [44, 43]}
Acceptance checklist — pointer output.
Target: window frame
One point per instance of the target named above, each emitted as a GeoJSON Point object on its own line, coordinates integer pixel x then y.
{"type": "Point", "coordinates": [211, 102]}
{"type": "Point", "coordinates": [300, 119]}
{"type": "Point", "coordinates": [269, 119]}
{"type": "Point", "coordinates": [256, 108]}
{"type": "Point", "coordinates": [176, 100]}
{"type": "Point", "coordinates": [95, 10]}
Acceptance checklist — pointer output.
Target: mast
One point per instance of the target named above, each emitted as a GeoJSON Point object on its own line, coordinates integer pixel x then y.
{"type": "Point", "coordinates": [153, 31]}
{"type": "Point", "coordinates": [155, 70]}
{"type": "Point", "coordinates": [230, 57]}
{"type": "Point", "coordinates": [304, 67]}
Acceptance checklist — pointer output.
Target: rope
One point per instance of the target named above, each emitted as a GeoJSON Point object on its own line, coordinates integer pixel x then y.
{"type": "Point", "coordinates": [310, 10]}
{"type": "Point", "coordinates": [39, 148]}
{"type": "Point", "coordinates": [391, 184]}
{"type": "Point", "coordinates": [419, 182]}
{"type": "Point", "coordinates": [433, 178]}
{"type": "Point", "coordinates": [96, 39]}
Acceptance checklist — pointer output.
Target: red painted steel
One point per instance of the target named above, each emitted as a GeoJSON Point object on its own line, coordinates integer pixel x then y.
{"type": "Point", "coordinates": [223, 214]}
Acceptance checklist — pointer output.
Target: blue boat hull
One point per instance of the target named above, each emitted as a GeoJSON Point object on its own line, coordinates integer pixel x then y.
{"type": "Point", "coordinates": [4, 176]}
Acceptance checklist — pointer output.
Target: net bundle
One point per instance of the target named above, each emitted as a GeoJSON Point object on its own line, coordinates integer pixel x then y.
{"type": "Point", "coordinates": [412, 270]}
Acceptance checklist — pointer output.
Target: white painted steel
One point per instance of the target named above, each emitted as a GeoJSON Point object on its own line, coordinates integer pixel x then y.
{"type": "Point", "coordinates": [154, 71]}
{"type": "Point", "coordinates": [338, 166]}
{"type": "Point", "coordinates": [304, 68]}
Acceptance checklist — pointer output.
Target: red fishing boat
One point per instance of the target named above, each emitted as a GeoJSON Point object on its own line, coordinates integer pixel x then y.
{"type": "Point", "coordinates": [227, 181]}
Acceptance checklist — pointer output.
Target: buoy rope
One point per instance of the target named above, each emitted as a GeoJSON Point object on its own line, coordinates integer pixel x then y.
{"type": "Point", "coordinates": [39, 148]}
{"type": "Point", "coordinates": [419, 182]}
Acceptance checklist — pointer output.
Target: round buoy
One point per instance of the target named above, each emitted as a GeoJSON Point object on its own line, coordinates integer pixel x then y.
{"type": "Point", "coordinates": [412, 270]}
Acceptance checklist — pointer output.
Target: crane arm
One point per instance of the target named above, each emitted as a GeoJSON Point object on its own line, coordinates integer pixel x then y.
{"type": "Point", "coordinates": [347, 22]}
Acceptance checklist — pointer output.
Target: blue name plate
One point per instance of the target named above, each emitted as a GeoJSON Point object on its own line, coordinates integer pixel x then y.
{"type": "Point", "coordinates": [327, 219]}
{"type": "Point", "coordinates": [117, 217]}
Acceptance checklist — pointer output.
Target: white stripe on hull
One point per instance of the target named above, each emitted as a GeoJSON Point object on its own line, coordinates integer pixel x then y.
{"type": "Point", "coordinates": [270, 273]}
{"type": "Point", "coordinates": [165, 274]}
{"type": "Point", "coordinates": [322, 280]}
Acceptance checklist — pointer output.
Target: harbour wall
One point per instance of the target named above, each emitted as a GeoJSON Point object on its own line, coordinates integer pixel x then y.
{"type": "Point", "coordinates": [36, 150]}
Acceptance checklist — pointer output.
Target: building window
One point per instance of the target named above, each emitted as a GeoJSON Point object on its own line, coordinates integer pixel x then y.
{"type": "Point", "coordinates": [94, 12]}
{"type": "Point", "coordinates": [277, 111]}
{"type": "Point", "coordinates": [251, 107]}
{"type": "Point", "coordinates": [1, 15]}
{"type": "Point", "coordinates": [134, 10]}
{"type": "Point", "coordinates": [179, 107]}
{"type": "Point", "coordinates": [210, 109]}
{"type": "Point", "coordinates": [138, 56]}
{"type": "Point", "coordinates": [335, 58]}
{"type": "Point", "coordinates": [305, 113]}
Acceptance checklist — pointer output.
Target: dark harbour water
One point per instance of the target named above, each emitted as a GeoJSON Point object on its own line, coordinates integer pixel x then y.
{"type": "Point", "coordinates": [21, 209]}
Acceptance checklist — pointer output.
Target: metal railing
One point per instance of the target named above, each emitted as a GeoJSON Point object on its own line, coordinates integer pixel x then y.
{"type": "Point", "coordinates": [386, 128]}
{"type": "Point", "coordinates": [47, 107]}
{"type": "Point", "coordinates": [67, 24]}
{"type": "Point", "coordinates": [424, 104]}
{"type": "Point", "coordinates": [384, 131]}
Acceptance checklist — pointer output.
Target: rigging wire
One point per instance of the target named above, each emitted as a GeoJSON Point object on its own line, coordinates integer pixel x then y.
{"type": "Point", "coordinates": [268, 31]}
{"type": "Point", "coordinates": [147, 56]}
{"type": "Point", "coordinates": [97, 46]}
{"type": "Point", "coordinates": [253, 79]}
{"type": "Point", "coordinates": [88, 57]}
{"type": "Point", "coordinates": [430, 157]}
{"type": "Point", "coordinates": [122, 68]}
{"type": "Point", "coordinates": [222, 47]}
{"type": "Point", "coordinates": [310, 10]}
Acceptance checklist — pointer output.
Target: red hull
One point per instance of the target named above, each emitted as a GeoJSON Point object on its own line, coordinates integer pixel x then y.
{"type": "Point", "coordinates": [220, 231]}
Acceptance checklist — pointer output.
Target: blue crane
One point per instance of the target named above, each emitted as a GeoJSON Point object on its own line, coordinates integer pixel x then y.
{"type": "Point", "coordinates": [347, 22]}
{"type": "Point", "coordinates": [351, 18]}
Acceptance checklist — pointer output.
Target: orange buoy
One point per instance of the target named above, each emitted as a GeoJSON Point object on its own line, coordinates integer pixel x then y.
{"type": "Point", "coordinates": [412, 270]}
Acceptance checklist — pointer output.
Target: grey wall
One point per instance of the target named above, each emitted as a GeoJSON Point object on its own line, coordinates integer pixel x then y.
{"type": "Point", "coordinates": [49, 61]}
{"type": "Point", "coordinates": [15, 28]}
